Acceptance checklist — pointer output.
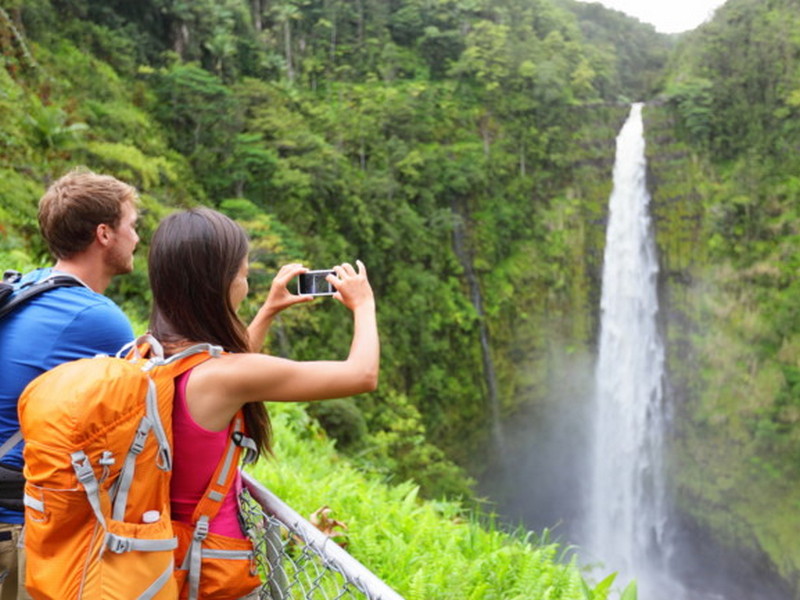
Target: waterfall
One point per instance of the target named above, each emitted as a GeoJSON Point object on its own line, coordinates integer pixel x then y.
{"type": "Point", "coordinates": [460, 247]}
{"type": "Point", "coordinates": [626, 517]}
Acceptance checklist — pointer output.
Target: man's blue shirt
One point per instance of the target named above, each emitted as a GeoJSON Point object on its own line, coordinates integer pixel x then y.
{"type": "Point", "coordinates": [60, 325]}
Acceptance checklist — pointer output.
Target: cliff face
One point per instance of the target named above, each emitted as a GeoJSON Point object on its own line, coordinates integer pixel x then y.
{"type": "Point", "coordinates": [731, 282]}
{"type": "Point", "coordinates": [731, 491]}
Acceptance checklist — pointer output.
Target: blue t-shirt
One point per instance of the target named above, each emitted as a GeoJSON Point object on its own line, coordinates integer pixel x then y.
{"type": "Point", "coordinates": [57, 326]}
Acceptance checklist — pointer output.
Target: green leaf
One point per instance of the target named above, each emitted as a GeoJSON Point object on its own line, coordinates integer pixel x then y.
{"type": "Point", "coordinates": [630, 592]}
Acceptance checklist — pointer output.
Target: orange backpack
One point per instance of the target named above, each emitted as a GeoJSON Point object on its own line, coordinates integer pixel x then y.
{"type": "Point", "coordinates": [213, 566]}
{"type": "Point", "coordinates": [98, 439]}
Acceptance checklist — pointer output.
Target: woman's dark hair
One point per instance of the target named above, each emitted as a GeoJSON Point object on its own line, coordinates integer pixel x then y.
{"type": "Point", "coordinates": [194, 257]}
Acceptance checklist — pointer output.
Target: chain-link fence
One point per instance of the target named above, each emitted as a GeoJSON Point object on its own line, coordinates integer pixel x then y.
{"type": "Point", "coordinates": [299, 562]}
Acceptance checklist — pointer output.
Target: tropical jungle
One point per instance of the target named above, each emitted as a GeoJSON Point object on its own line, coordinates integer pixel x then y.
{"type": "Point", "coordinates": [463, 150]}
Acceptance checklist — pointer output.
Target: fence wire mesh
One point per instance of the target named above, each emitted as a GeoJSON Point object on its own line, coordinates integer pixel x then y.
{"type": "Point", "coordinates": [293, 566]}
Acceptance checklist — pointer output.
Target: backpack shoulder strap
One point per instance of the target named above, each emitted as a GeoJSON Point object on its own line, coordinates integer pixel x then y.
{"type": "Point", "coordinates": [225, 473]}
{"type": "Point", "coordinates": [211, 502]}
{"type": "Point", "coordinates": [24, 292]}
{"type": "Point", "coordinates": [9, 301]}
{"type": "Point", "coordinates": [190, 357]}
{"type": "Point", "coordinates": [151, 423]}
{"type": "Point", "coordinates": [15, 438]}
{"type": "Point", "coordinates": [150, 351]}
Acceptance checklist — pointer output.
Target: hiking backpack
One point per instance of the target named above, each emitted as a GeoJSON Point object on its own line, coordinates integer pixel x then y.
{"type": "Point", "coordinates": [98, 457]}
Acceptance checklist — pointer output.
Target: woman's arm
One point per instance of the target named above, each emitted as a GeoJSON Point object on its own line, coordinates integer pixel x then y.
{"type": "Point", "coordinates": [219, 387]}
{"type": "Point", "coordinates": [278, 299]}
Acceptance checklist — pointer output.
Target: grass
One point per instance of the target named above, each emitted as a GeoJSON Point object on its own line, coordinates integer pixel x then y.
{"type": "Point", "coordinates": [423, 549]}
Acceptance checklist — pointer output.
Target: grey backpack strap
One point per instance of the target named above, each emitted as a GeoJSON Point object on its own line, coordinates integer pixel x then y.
{"type": "Point", "coordinates": [9, 444]}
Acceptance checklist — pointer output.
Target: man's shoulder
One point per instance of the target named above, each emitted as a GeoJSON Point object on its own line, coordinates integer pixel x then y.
{"type": "Point", "coordinates": [73, 289]}
{"type": "Point", "coordinates": [97, 306]}
{"type": "Point", "coordinates": [85, 304]}
{"type": "Point", "coordinates": [74, 319]}
{"type": "Point", "coordinates": [76, 299]}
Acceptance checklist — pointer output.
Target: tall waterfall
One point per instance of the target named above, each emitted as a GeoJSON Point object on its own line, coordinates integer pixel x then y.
{"type": "Point", "coordinates": [627, 514]}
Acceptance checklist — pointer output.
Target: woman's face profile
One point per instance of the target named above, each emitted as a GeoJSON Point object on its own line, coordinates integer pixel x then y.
{"type": "Point", "coordinates": [239, 286]}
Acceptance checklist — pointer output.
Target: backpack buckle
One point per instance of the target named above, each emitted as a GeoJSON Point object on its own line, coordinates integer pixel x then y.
{"type": "Point", "coordinates": [82, 467]}
{"type": "Point", "coordinates": [141, 437]}
{"type": "Point", "coordinates": [118, 545]}
{"type": "Point", "coordinates": [11, 276]}
{"type": "Point", "coordinates": [201, 529]}
{"type": "Point", "coordinates": [247, 444]}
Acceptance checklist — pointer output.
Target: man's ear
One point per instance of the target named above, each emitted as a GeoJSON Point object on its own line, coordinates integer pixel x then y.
{"type": "Point", "coordinates": [103, 234]}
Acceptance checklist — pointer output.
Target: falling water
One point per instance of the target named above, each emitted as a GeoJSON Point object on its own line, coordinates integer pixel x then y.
{"type": "Point", "coordinates": [627, 513]}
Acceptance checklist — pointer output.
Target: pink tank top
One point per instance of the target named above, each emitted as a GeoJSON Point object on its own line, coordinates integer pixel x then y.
{"type": "Point", "coordinates": [196, 453]}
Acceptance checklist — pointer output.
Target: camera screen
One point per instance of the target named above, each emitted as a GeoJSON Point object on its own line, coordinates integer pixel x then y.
{"type": "Point", "coordinates": [313, 283]}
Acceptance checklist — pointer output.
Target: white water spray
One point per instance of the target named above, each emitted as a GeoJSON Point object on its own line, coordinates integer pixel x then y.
{"type": "Point", "coordinates": [627, 514]}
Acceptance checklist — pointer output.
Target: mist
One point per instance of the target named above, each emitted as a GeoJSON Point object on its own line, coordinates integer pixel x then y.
{"type": "Point", "coordinates": [539, 481]}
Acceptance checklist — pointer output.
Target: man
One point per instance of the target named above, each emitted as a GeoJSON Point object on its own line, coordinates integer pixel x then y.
{"type": "Point", "coordinates": [89, 223]}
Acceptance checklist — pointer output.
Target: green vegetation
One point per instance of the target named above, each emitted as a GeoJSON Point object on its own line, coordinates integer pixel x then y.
{"type": "Point", "coordinates": [430, 551]}
{"type": "Point", "coordinates": [462, 149]}
{"type": "Point", "coordinates": [435, 141]}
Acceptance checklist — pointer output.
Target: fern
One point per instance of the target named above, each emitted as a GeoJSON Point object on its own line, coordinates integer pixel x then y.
{"type": "Point", "coordinates": [425, 550]}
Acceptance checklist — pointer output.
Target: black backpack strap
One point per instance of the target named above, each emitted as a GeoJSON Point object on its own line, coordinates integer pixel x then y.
{"type": "Point", "coordinates": [27, 291]}
{"type": "Point", "coordinates": [10, 277]}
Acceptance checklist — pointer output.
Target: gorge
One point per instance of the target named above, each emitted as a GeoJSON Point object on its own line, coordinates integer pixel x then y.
{"type": "Point", "coordinates": [614, 490]}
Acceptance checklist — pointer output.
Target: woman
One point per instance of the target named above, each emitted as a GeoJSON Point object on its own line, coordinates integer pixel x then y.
{"type": "Point", "coordinates": [198, 274]}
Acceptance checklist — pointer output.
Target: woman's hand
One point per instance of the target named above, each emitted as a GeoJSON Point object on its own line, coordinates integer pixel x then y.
{"type": "Point", "coordinates": [279, 297]}
{"type": "Point", "coordinates": [352, 286]}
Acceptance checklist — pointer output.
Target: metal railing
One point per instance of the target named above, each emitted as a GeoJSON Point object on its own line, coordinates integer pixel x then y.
{"type": "Point", "coordinates": [297, 561]}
